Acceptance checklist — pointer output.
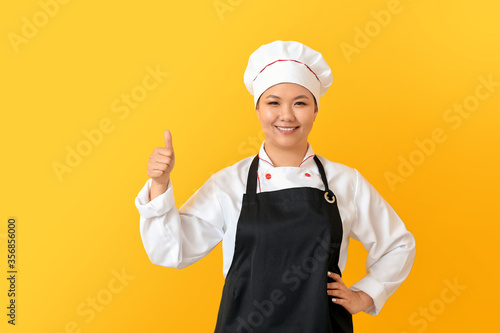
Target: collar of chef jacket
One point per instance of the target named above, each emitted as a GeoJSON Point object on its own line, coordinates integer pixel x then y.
{"type": "Point", "coordinates": [306, 160]}
{"type": "Point", "coordinates": [270, 177]}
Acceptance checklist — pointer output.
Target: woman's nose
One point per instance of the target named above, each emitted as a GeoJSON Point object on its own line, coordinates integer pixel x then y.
{"type": "Point", "coordinates": [286, 112]}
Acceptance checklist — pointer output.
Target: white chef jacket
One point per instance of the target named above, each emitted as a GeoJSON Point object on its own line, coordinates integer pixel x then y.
{"type": "Point", "coordinates": [180, 237]}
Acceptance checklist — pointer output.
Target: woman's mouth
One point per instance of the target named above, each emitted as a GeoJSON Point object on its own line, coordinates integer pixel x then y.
{"type": "Point", "coordinates": [286, 130]}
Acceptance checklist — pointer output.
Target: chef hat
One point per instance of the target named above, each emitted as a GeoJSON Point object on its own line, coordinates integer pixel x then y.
{"type": "Point", "coordinates": [287, 61]}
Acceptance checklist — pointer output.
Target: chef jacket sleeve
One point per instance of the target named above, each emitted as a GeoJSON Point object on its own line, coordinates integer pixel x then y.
{"type": "Point", "coordinates": [390, 246]}
{"type": "Point", "coordinates": [175, 237]}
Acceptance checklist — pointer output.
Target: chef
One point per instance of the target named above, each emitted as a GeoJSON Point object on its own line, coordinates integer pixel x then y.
{"type": "Point", "coordinates": [285, 216]}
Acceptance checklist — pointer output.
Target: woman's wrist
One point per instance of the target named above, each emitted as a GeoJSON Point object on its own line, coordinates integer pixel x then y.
{"type": "Point", "coordinates": [366, 300]}
{"type": "Point", "coordinates": [157, 189]}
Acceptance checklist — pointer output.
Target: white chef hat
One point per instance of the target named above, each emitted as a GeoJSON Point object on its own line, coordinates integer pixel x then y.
{"type": "Point", "coordinates": [287, 61]}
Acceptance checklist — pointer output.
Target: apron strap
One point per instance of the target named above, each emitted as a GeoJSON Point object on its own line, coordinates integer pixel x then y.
{"type": "Point", "coordinates": [321, 172]}
{"type": "Point", "coordinates": [328, 193]}
{"type": "Point", "coordinates": [252, 176]}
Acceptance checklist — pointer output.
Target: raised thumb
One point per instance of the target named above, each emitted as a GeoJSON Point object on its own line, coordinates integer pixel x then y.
{"type": "Point", "coordinates": [168, 139]}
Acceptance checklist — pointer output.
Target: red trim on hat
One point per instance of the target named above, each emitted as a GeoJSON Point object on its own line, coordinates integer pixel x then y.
{"type": "Point", "coordinates": [287, 60]}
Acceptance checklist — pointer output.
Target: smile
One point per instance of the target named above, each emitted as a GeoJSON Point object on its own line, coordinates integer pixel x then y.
{"type": "Point", "coordinates": [286, 130]}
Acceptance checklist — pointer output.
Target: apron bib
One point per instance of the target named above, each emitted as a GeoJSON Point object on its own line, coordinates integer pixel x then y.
{"type": "Point", "coordinates": [286, 241]}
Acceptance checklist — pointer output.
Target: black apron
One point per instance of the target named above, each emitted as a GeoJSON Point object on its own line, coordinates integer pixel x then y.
{"type": "Point", "coordinates": [286, 241]}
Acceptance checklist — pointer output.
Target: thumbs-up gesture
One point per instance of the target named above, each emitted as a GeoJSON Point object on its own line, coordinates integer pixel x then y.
{"type": "Point", "coordinates": [161, 162]}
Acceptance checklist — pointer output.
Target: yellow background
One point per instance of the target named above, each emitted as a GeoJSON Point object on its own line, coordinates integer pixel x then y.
{"type": "Point", "coordinates": [76, 232]}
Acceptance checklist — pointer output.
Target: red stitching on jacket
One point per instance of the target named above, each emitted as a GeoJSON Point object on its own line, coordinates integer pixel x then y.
{"type": "Point", "coordinates": [266, 161]}
{"type": "Point", "coordinates": [258, 180]}
{"type": "Point", "coordinates": [306, 159]}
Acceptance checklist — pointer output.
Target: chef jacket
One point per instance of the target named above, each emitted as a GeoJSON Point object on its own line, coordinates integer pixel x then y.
{"type": "Point", "coordinates": [180, 237]}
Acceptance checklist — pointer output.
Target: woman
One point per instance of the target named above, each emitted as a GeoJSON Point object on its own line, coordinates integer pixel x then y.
{"type": "Point", "coordinates": [285, 215]}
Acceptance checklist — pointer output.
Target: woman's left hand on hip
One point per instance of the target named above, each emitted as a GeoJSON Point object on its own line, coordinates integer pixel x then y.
{"type": "Point", "coordinates": [352, 301]}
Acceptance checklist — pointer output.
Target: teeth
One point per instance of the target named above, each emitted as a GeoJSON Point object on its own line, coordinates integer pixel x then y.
{"type": "Point", "coordinates": [286, 129]}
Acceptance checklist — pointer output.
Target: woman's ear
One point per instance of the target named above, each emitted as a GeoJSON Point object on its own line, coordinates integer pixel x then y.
{"type": "Point", "coordinates": [257, 105]}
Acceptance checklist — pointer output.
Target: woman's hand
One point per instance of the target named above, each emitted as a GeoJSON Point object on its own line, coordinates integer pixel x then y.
{"type": "Point", "coordinates": [352, 301]}
{"type": "Point", "coordinates": [160, 165]}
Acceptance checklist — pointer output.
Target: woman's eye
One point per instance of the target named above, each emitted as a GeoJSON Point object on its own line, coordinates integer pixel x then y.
{"type": "Point", "coordinates": [276, 103]}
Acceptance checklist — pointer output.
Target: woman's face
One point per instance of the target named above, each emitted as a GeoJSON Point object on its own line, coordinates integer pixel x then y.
{"type": "Point", "coordinates": [286, 112]}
